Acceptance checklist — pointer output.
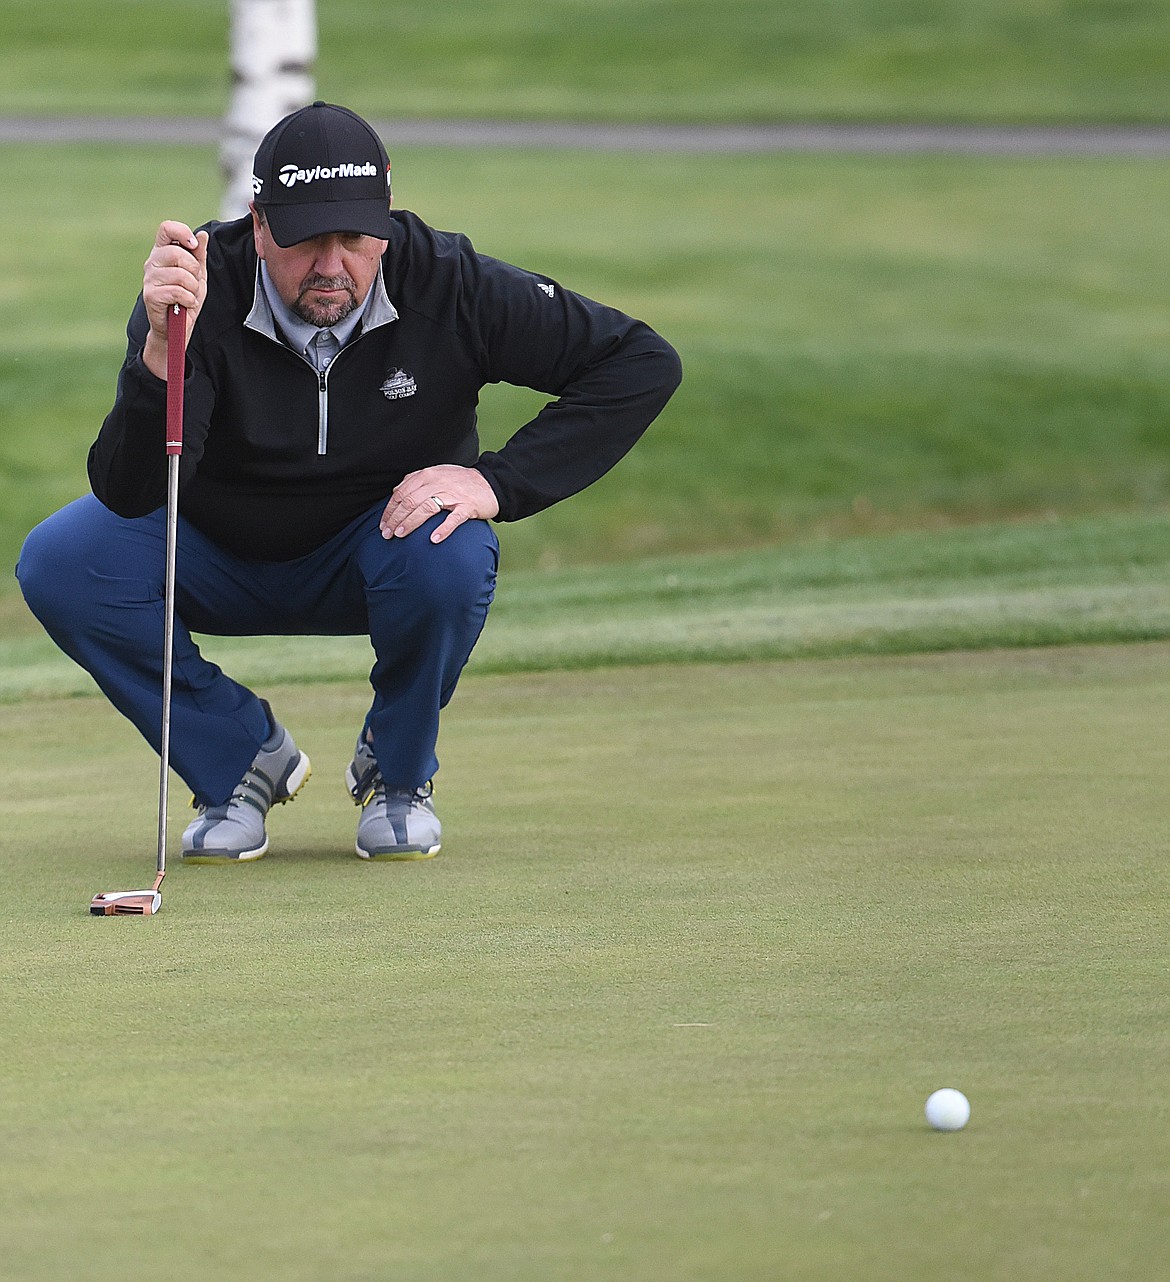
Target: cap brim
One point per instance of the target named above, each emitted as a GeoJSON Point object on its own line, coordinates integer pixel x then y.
{"type": "Point", "coordinates": [290, 224]}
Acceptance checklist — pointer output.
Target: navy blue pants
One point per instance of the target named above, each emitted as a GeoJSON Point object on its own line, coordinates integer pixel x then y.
{"type": "Point", "coordinates": [96, 583]}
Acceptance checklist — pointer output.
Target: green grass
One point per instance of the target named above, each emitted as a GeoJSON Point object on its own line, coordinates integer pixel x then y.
{"type": "Point", "coordinates": [667, 1007]}
{"type": "Point", "coordinates": [702, 938]}
{"type": "Point", "coordinates": [1026, 585]}
{"type": "Point", "coordinates": [869, 344]}
{"type": "Point", "coordinates": [605, 59]}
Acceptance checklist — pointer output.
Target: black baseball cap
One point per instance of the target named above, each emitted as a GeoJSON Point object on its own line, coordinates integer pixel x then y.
{"type": "Point", "coordinates": [322, 169]}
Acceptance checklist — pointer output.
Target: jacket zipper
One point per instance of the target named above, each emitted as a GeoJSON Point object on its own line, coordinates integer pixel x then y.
{"type": "Point", "coordinates": [322, 391]}
{"type": "Point", "coordinates": [260, 321]}
{"type": "Point", "coordinates": [323, 409]}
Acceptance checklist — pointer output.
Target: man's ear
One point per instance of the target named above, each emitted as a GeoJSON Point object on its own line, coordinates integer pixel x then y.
{"type": "Point", "coordinates": [257, 226]}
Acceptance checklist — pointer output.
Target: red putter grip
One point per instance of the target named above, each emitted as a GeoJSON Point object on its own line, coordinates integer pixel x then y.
{"type": "Point", "coordinates": [176, 370]}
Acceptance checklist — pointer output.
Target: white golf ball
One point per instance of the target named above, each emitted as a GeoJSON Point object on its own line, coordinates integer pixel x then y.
{"type": "Point", "coordinates": [948, 1110]}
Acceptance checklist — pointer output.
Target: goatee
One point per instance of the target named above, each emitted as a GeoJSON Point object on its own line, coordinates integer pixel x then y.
{"type": "Point", "coordinates": [324, 312]}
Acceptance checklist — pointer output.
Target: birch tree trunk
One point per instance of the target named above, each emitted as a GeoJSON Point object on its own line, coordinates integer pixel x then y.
{"type": "Point", "coordinates": [273, 48]}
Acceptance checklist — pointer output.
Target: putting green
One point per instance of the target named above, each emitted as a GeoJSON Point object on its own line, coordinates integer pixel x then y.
{"type": "Point", "coordinates": [700, 942]}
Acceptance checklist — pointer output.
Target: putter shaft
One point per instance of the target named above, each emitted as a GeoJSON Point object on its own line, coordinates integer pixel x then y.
{"type": "Point", "coordinates": [176, 370]}
{"type": "Point", "coordinates": [145, 903]}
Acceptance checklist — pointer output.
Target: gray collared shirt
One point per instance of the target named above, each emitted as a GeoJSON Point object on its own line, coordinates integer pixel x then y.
{"type": "Point", "coordinates": [300, 334]}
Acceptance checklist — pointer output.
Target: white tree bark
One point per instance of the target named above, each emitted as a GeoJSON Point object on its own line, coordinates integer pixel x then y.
{"type": "Point", "coordinates": [273, 48]}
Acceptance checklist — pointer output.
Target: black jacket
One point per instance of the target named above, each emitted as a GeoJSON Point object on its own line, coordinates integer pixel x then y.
{"type": "Point", "coordinates": [276, 460]}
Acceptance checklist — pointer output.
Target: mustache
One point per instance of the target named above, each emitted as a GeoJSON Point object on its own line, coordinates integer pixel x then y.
{"type": "Point", "coordinates": [328, 282]}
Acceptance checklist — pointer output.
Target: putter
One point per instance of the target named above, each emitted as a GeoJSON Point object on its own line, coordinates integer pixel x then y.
{"type": "Point", "coordinates": [145, 903]}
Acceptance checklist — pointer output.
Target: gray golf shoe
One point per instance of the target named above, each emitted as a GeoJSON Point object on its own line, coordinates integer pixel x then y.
{"type": "Point", "coordinates": [234, 832]}
{"type": "Point", "coordinates": [396, 823]}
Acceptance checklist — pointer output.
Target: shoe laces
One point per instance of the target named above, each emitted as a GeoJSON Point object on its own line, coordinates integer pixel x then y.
{"type": "Point", "coordinates": [371, 786]}
{"type": "Point", "coordinates": [255, 789]}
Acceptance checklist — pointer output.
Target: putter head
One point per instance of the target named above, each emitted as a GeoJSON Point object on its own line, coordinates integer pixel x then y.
{"type": "Point", "coordinates": [127, 903]}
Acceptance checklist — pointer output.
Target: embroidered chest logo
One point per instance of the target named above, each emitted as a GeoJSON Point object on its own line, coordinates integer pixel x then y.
{"type": "Point", "coordinates": [399, 385]}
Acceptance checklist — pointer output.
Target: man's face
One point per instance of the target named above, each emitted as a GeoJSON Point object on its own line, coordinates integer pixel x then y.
{"type": "Point", "coordinates": [324, 279]}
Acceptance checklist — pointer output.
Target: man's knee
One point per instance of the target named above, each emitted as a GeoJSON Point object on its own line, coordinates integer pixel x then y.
{"type": "Point", "coordinates": [71, 563]}
{"type": "Point", "coordinates": [455, 575]}
{"type": "Point", "coordinates": [45, 569]}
